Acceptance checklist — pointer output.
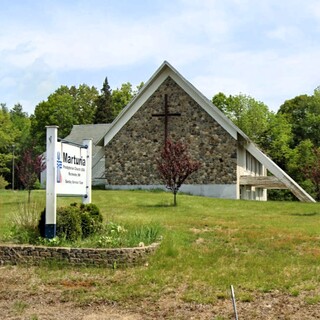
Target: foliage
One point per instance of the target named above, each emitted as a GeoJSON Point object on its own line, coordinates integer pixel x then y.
{"type": "Point", "coordinates": [24, 222]}
{"type": "Point", "coordinates": [145, 235]}
{"type": "Point", "coordinates": [276, 140]}
{"type": "Point", "coordinates": [116, 235]}
{"type": "Point", "coordinates": [287, 137]}
{"type": "Point", "coordinates": [249, 115]}
{"type": "Point", "coordinates": [69, 223]}
{"type": "Point", "coordinates": [29, 169]}
{"type": "Point", "coordinates": [312, 171]}
{"type": "Point", "coordinates": [3, 182]}
{"type": "Point", "coordinates": [84, 103]}
{"type": "Point", "coordinates": [75, 222]}
{"type": "Point", "coordinates": [64, 108]}
{"type": "Point", "coordinates": [121, 97]}
{"type": "Point", "coordinates": [175, 166]}
{"type": "Point", "coordinates": [21, 123]}
{"type": "Point", "coordinates": [112, 236]}
{"type": "Point", "coordinates": [111, 102]}
{"type": "Point", "coordinates": [301, 156]}
{"type": "Point", "coordinates": [91, 219]}
{"type": "Point", "coordinates": [8, 134]}
{"type": "Point", "coordinates": [104, 112]}
{"type": "Point", "coordinates": [303, 113]}
{"type": "Point", "coordinates": [27, 228]}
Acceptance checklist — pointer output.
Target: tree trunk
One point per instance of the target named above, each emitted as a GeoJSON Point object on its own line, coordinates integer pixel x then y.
{"type": "Point", "coordinates": [29, 196]}
{"type": "Point", "coordinates": [175, 199]}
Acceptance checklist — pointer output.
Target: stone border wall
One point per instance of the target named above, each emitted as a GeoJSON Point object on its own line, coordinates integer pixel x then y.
{"type": "Point", "coordinates": [35, 255]}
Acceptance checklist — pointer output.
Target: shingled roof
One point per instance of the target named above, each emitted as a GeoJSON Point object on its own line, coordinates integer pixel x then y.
{"type": "Point", "coordinates": [95, 132]}
{"type": "Point", "coordinates": [88, 131]}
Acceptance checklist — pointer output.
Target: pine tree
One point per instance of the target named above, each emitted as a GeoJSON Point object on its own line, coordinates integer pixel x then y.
{"type": "Point", "coordinates": [104, 112]}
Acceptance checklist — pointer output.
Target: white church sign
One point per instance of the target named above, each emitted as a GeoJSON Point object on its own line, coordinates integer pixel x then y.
{"type": "Point", "coordinates": [68, 174]}
{"type": "Point", "coordinates": [71, 169]}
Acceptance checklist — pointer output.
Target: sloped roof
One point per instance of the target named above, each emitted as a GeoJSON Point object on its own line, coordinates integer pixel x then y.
{"type": "Point", "coordinates": [166, 70]}
{"type": "Point", "coordinates": [95, 132]}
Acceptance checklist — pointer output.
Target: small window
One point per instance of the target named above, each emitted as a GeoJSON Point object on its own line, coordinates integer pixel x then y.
{"type": "Point", "coordinates": [253, 165]}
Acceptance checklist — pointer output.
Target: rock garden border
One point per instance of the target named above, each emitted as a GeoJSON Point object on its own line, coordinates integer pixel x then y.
{"type": "Point", "coordinates": [106, 257]}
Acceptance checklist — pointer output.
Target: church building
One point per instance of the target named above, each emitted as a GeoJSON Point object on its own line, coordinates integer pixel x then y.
{"type": "Point", "coordinates": [168, 106]}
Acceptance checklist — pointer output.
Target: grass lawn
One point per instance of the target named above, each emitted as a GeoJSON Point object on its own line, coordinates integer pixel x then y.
{"type": "Point", "coordinates": [208, 244]}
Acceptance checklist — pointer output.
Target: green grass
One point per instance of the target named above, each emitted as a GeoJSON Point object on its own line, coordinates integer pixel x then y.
{"type": "Point", "coordinates": [19, 306]}
{"type": "Point", "coordinates": [208, 244]}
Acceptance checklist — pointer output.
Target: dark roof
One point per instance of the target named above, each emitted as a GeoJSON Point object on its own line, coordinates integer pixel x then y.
{"type": "Point", "coordinates": [95, 132]}
{"type": "Point", "coordinates": [87, 131]}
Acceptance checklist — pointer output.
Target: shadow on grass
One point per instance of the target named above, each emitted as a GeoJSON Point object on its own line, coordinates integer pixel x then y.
{"type": "Point", "coordinates": [307, 214]}
{"type": "Point", "coordinates": [157, 205]}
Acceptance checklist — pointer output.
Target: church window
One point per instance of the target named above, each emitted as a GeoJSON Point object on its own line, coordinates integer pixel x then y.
{"type": "Point", "coordinates": [253, 166]}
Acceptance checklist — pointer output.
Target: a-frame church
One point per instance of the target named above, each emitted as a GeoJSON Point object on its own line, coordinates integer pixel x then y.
{"type": "Point", "coordinates": [169, 106]}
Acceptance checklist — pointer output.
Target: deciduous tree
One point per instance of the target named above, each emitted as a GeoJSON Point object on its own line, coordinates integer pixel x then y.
{"type": "Point", "coordinates": [303, 113]}
{"type": "Point", "coordinates": [64, 108]}
{"type": "Point", "coordinates": [121, 97]}
{"type": "Point", "coordinates": [312, 171]}
{"type": "Point", "coordinates": [250, 115]}
{"type": "Point", "coordinates": [175, 166]}
{"type": "Point", "coordinates": [29, 169]}
{"type": "Point", "coordinates": [8, 134]}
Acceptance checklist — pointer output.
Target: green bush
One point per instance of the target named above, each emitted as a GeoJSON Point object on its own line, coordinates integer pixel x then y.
{"type": "Point", "coordinates": [75, 222]}
{"type": "Point", "coordinates": [23, 234]}
{"type": "Point", "coordinates": [3, 182]}
{"type": "Point", "coordinates": [69, 223]}
{"type": "Point", "coordinates": [37, 185]}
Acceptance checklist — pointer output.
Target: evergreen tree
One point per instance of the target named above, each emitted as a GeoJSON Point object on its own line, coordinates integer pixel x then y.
{"type": "Point", "coordinates": [104, 112]}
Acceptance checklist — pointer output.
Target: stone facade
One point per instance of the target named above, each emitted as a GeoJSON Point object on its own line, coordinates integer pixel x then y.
{"type": "Point", "coordinates": [131, 154]}
{"type": "Point", "coordinates": [34, 255]}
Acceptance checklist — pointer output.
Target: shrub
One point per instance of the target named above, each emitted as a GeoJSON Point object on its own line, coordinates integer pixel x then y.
{"type": "Point", "coordinates": [3, 182]}
{"type": "Point", "coordinates": [75, 222]}
{"type": "Point", "coordinates": [23, 235]}
{"type": "Point", "coordinates": [91, 219]}
{"type": "Point", "coordinates": [24, 220]}
{"type": "Point", "coordinates": [69, 223]}
{"type": "Point", "coordinates": [37, 185]}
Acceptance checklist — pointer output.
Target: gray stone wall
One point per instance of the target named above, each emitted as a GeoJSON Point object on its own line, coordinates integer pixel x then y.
{"type": "Point", "coordinates": [131, 154]}
{"type": "Point", "coordinates": [34, 255]}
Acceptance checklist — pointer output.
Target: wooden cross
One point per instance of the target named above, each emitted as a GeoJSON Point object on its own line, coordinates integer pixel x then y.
{"type": "Point", "coordinates": [166, 116]}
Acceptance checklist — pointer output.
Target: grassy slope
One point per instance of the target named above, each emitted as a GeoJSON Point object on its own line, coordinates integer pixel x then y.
{"type": "Point", "coordinates": [208, 244]}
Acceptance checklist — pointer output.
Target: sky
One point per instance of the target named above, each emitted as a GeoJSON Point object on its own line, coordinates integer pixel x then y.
{"type": "Point", "coordinates": [268, 49]}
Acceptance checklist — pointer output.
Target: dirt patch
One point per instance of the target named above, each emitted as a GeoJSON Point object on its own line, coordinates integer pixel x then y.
{"type": "Point", "coordinates": [25, 297]}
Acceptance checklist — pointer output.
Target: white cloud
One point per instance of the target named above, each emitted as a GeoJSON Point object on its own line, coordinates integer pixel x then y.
{"type": "Point", "coordinates": [268, 49]}
{"type": "Point", "coordinates": [285, 33]}
{"type": "Point", "coordinates": [266, 76]}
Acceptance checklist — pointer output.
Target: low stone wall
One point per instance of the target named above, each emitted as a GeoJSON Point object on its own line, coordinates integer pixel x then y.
{"type": "Point", "coordinates": [34, 255]}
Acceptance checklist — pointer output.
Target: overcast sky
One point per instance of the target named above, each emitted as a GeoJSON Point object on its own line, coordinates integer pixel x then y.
{"type": "Point", "coordinates": [268, 49]}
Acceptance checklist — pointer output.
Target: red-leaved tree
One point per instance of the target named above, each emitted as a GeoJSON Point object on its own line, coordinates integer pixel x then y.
{"type": "Point", "coordinates": [175, 166]}
{"type": "Point", "coordinates": [29, 169]}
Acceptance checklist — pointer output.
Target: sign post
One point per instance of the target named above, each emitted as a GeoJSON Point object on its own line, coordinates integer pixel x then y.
{"type": "Point", "coordinates": [87, 197]}
{"type": "Point", "coordinates": [68, 174]}
{"type": "Point", "coordinates": [51, 186]}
